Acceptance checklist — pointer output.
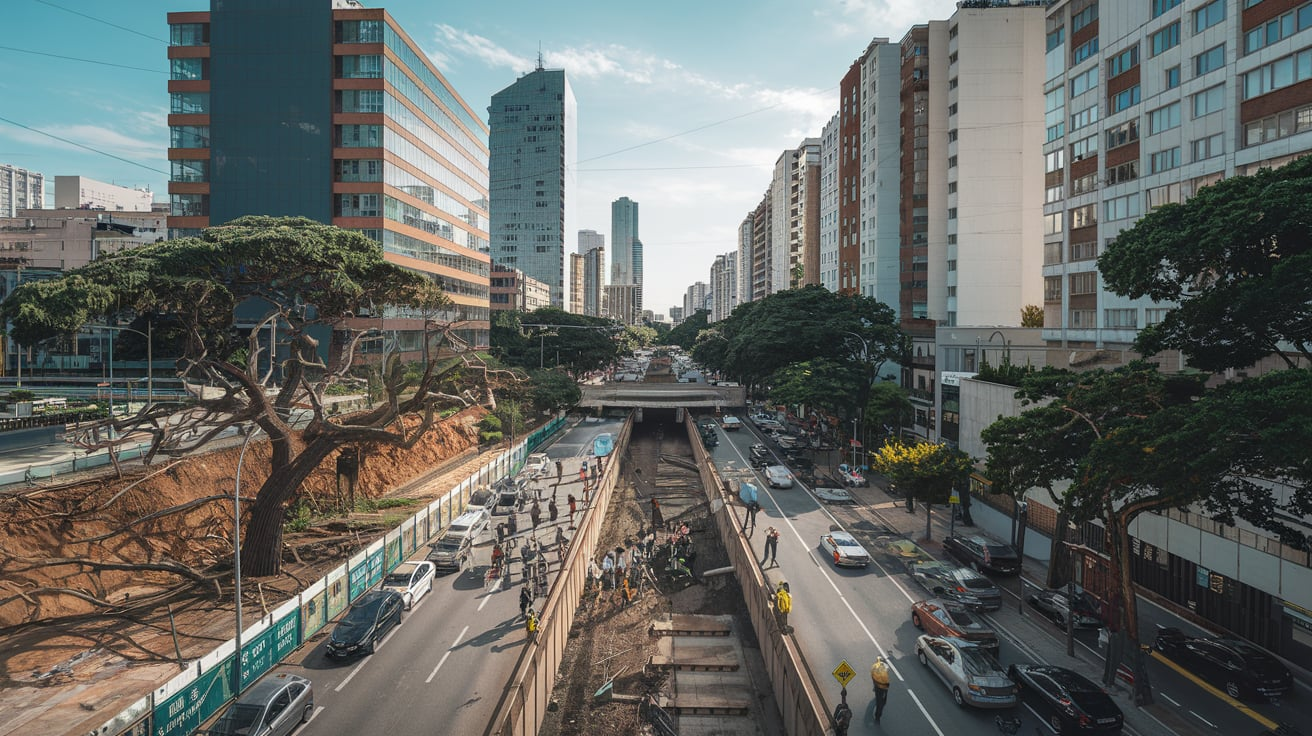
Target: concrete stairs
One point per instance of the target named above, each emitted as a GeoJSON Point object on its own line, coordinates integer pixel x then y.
{"type": "Point", "coordinates": [708, 679]}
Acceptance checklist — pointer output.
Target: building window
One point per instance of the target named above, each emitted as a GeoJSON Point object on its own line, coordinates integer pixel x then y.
{"type": "Point", "coordinates": [952, 162]}
{"type": "Point", "coordinates": [354, 169]}
{"type": "Point", "coordinates": [189, 34]}
{"type": "Point", "coordinates": [358, 205]}
{"type": "Point", "coordinates": [1125, 99]}
{"type": "Point", "coordinates": [189, 205]}
{"type": "Point", "coordinates": [1084, 147]}
{"type": "Point", "coordinates": [366, 66]}
{"type": "Point", "coordinates": [1279, 73]}
{"type": "Point", "coordinates": [359, 31]}
{"type": "Point", "coordinates": [1209, 15]}
{"type": "Point", "coordinates": [1209, 100]}
{"type": "Point", "coordinates": [1212, 145]}
{"type": "Point", "coordinates": [1274, 127]}
{"type": "Point", "coordinates": [1127, 132]}
{"type": "Point", "coordinates": [1123, 62]}
{"type": "Point", "coordinates": [1082, 319]}
{"type": "Point", "coordinates": [360, 100]}
{"type": "Point", "coordinates": [1278, 28]}
{"type": "Point", "coordinates": [1121, 173]}
{"type": "Point", "coordinates": [1167, 38]}
{"type": "Point", "coordinates": [1161, 6]}
{"type": "Point", "coordinates": [952, 109]}
{"type": "Point", "coordinates": [1155, 197]}
{"type": "Point", "coordinates": [1052, 224]}
{"type": "Point", "coordinates": [1087, 116]}
{"type": "Point", "coordinates": [1084, 216]}
{"type": "Point", "coordinates": [952, 213]}
{"type": "Point", "coordinates": [1086, 251]}
{"type": "Point", "coordinates": [1051, 288]}
{"type": "Point", "coordinates": [1084, 17]}
{"type": "Point", "coordinates": [1164, 160]}
{"type": "Point", "coordinates": [1084, 184]}
{"type": "Point", "coordinates": [1055, 161]}
{"type": "Point", "coordinates": [1054, 194]}
{"type": "Point", "coordinates": [1164, 118]}
{"type": "Point", "coordinates": [359, 136]}
{"type": "Point", "coordinates": [1056, 38]}
{"type": "Point", "coordinates": [189, 170]}
{"type": "Point", "coordinates": [189, 103]}
{"type": "Point", "coordinates": [1209, 60]}
{"type": "Point", "coordinates": [1051, 253]}
{"type": "Point", "coordinates": [1154, 316]}
{"type": "Point", "coordinates": [1085, 282]}
{"type": "Point", "coordinates": [1084, 51]}
{"type": "Point", "coordinates": [189, 136]}
{"type": "Point", "coordinates": [1173, 77]}
{"type": "Point", "coordinates": [1120, 208]}
{"type": "Point", "coordinates": [187, 69]}
{"type": "Point", "coordinates": [1054, 116]}
{"type": "Point", "coordinates": [1084, 82]}
{"type": "Point", "coordinates": [1120, 319]}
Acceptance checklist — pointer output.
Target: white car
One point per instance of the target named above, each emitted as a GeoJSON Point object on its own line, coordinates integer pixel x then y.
{"type": "Point", "coordinates": [778, 476]}
{"type": "Point", "coordinates": [536, 464]}
{"type": "Point", "coordinates": [411, 580]}
{"type": "Point", "coordinates": [844, 550]}
{"type": "Point", "coordinates": [833, 495]}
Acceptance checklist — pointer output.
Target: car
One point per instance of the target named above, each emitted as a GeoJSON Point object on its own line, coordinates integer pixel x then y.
{"type": "Point", "coordinates": [1055, 604]}
{"type": "Point", "coordinates": [760, 454]}
{"type": "Point", "coordinates": [603, 444]}
{"type": "Point", "coordinates": [984, 555]}
{"type": "Point", "coordinates": [970, 672]}
{"type": "Point", "coordinates": [366, 623]}
{"type": "Point", "coordinates": [767, 424]}
{"type": "Point", "coordinates": [472, 522]}
{"type": "Point", "coordinates": [507, 492]}
{"type": "Point", "coordinates": [778, 476]}
{"type": "Point", "coordinates": [274, 706]}
{"type": "Point", "coordinates": [412, 580]}
{"type": "Point", "coordinates": [960, 584]}
{"type": "Point", "coordinates": [731, 423]}
{"type": "Point", "coordinates": [833, 495]}
{"type": "Point", "coordinates": [843, 549]}
{"type": "Point", "coordinates": [938, 617]}
{"type": "Point", "coordinates": [536, 464]}
{"type": "Point", "coordinates": [851, 476]}
{"type": "Point", "coordinates": [451, 552]}
{"type": "Point", "coordinates": [1241, 669]}
{"type": "Point", "coordinates": [1068, 701]}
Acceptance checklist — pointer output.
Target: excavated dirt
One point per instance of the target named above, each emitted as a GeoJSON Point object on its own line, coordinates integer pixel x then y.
{"type": "Point", "coordinates": [68, 623]}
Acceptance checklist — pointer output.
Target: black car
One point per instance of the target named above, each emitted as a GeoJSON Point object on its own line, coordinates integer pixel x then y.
{"type": "Point", "coordinates": [370, 618]}
{"type": "Point", "coordinates": [1068, 701]}
{"type": "Point", "coordinates": [1056, 605]}
{"type": "Point", "coordinates": [1239, 668]}
{"type": "Point", "coordinates": [984, 555]}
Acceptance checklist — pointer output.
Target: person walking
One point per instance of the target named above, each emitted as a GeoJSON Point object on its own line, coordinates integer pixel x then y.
{"type": "Point", "coordinates": [879, 677]}
{"type": "Point", "coordinates": [559, 469]}
{"type": "Point", "coordinates": [573, 506]}
{"type": "Point", "coordinates": [752, 508]}
{"type": "Point", "coordinates": [535, 514]}
{"type": "Point", "coordinates": [552, 511]}
{"type": "Point", "coordinates": [531, 626]}
{"type": "Point", "coordinates": [771, 547]}
{"type": "Point", "coordinates": [512, 526]}
{"type": "Point", "coordinates": [525, 599]}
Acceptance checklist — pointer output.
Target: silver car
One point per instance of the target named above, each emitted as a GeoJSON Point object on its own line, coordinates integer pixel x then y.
{"type": "Point", "coordinates": [970, 672]}
{"type": "Point", "coordinates": [274, 706]}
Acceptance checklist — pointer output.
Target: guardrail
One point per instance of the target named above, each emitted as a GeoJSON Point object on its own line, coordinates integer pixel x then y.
{"type": "Point", "coordinates": [182, 704]}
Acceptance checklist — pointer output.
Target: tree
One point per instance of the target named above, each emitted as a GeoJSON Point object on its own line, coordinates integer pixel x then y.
{"type": "Point", "coordinates": [1031, 315]}
{"type": "Point", "coordinates": [544, 336]}
{"type": "Point", "coordinates": [305, 278]}
{"type": "Point", "coordinates": [923, 470]}
{"type": "Point", "coordinates": [1236, 258]}
{"type": "Point", "coordinates": [822, 383]}
{"type": "Point", "coordinates": [553, 390]}
{"type": "Point", "coordinates": [888, 405]}
{"type": "Point", "coordinates": [685, 333]}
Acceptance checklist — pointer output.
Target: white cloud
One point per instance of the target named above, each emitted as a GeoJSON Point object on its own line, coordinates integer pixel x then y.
{"type": "Point", "coordinates": [96, 137]}
{"type": "Point", "coordinates": [888, 18]}
{"type": "Point", "coordinates": [454, 43]}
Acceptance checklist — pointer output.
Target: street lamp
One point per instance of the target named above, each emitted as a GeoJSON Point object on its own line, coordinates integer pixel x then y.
{"type": "Point", "coordinates": [150, 361]}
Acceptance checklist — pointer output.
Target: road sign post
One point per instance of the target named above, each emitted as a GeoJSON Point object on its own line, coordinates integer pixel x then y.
{"type": "Point", "coordinates": [844, 673]}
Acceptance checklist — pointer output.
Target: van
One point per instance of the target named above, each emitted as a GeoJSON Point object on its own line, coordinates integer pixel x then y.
{"type": "Point", "coordinates": [778, 476]}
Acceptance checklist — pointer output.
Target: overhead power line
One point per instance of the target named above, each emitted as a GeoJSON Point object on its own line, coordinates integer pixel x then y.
{"type": "Point", "coordinates": [88, 61]}
{"type": "Point", "coordinates": [82, 146]}
{"type": "Point", "coordinates": [103, 21]}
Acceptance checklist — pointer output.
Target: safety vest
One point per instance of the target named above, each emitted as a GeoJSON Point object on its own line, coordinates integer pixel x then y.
{"type": "Point", "coordinates": [783, 601]}
{"type": "Point", "coordinates": [532, 624]}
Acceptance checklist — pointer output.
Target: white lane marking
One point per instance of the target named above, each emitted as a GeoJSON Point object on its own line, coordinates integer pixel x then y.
{"type": "Point", "coordinates": [442, 661]}
{"type": "Point", "coordinates": [349, 677]}
{"type": "Point", "coordinates": [1174, 702]}
{"type": "Point", "coordinates": [932, 724]}
{"type": "Point", "coordinates": [495, 587]}
{"type": "Point", "coordinates": [1204, 720]}
{"type": "Point", "coordinates": [315, 714]}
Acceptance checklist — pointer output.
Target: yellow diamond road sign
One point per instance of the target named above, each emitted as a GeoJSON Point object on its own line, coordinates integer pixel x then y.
{"type": "Point", "coordinates": [844, 673]}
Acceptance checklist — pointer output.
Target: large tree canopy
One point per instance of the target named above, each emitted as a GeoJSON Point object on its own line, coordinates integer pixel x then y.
{"type": "Point", "coordinates": [303, 275]}
{"type": "Point", "coordinates": [1237, 259]}
{"type": "Point", "coordinates": [544, 336]}
{"type": "Point", "coordinates": [685, 333]}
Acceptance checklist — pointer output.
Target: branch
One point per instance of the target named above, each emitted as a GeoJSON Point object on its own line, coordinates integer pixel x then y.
{"type": "Point", "coordinates": [176, 568]}
{"type": "Point", "coordinates": [156, 515]}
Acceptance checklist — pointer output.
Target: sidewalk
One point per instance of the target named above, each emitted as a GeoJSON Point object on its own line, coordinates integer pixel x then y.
{"type": "Point", "coordinates": [1033, 636]}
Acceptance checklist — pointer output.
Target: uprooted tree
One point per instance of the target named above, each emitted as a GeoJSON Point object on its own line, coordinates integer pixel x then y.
{"type": "Point", "coordinates": [299, 279]}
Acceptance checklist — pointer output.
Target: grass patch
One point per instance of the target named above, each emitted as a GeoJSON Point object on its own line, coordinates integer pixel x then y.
{"type": "Point", "coordinates": [371, 505]}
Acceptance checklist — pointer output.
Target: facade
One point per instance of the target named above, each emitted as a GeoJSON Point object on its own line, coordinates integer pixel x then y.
{"type": "Point", "coordinates": [849, 180]}
{"type": "Point", "coordinates": [82, 193]}
{"type": "Point", "coordinates": [332, 112]}
{"type": "Point", "coordinates": [877, 168]}
{"type": "Point", "coordinates": [829, 205]}
{"type": "Point", "coordinates": [513, 290]}
{"type": "Point", "coordinates": [724, 286]}
{"type": "Point", "coordinates": [914, 207]}
{"type": "Point", "coordinates": [696, 297]}
{"type": "Point", "coordinates": [621, 303]}
{"type": "Point", "coordinates": [626, 246]}
{"type": "Point", "coordinates": [576, 272]}
{"type": "Point", "coordinates": [20, 189]}
{"type": "Point", "coordinates": [533, 127]}
{"type": "Point", "coordinates": [676, 314]}
{"type": "Point", "coordinates": [589, 239]}
{"type": "Point", "coordinates": [594, 272]}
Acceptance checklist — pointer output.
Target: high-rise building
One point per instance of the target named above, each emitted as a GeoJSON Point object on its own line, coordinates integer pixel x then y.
{"type": "Point", "coordinates": [849, 180]}
{"type": "Point", "coordinates": [576, 269]}
{"type": "Point", "coordinates": [589, 239]}
{"type": "Point", "coordinates": [20, 189]}
{"type": "Point", "coordinates": [594, 277]}
{"type": "Point", "coordinates": [795, 216]}
{"type": "Point", "coordinates": [676, 314]}
{"type": "Point", "coordinates": [621, 303]}
{"type": "Point", "coordinates": [829, 153]}
{"type": "Point", "coordinates": [697, 297]}
{"type": "Point", "coordinates": [881, 137]}
{"type": "Point", "coordinates": [332, 112]}
{"type": "Point", "coordinates": [532, 143]}
{"type": "Point", "coordinates": [724, 285]}
{"type": "Point", "coordinates": [921, 272]}
{"type": "Point", "coordinates": [626, 247]}
{"type": "Point", "coordinates": [82, 193]}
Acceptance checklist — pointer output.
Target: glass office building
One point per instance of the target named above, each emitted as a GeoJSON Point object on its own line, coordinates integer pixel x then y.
{"type": "Point", "coordinates": [329, 110]}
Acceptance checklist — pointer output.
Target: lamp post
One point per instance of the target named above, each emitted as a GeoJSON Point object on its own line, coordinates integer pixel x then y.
{"type": "Point", "coordinates": [854, 425]}
{"type": "Point", "coordinates": [150, 361]}
{"type": "Point", "coordinates": [236, 548]}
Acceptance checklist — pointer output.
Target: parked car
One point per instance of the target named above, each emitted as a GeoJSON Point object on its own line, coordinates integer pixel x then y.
{"type": "Point", "coordinates": [365, 624]}
{"type": "Point", "coordinates": [833, 495]}
{"type": "Point", "coordinates": [760, 453]}
{"type": "Point", "coordinates": [938, 617]}
{"type": "Point", "coordinates": [472, 522]}
{"type": "Point", "coordinates": [984, 555]}
{"type": "Point", "coordinates": [972, 674]}
{"type": "Point", "coordinates": [1055, 604]}
{"type": "Point", "coordinates": [778, 476]}
{"type": "Point", "coordinates": [412, 580]}
{"type": "Point", "coordinates": [960, 584]}
{"type": "Point", "coordinates": [767, 424]}
{"type": "Point", "coordinates": [507, 491]}
{"type": "Point", "coordinates": [1068, 701]}
{"type": "Point", "coordinates": [1239, 668]}
{"type": "Point", "coordinates": [536, 464]}
{"type": "Point", "coordinates": [482, 498]}
{"type": "Point", "coordinates": [843, 549]}
{"type": "Point", "coordinates": [274, 706]}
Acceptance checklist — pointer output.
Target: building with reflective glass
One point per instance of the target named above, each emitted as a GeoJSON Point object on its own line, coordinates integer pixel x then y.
{"type": "Point", "coordinates": [329, 110]}
{"type": "Point", "coordinates": [533, 135]}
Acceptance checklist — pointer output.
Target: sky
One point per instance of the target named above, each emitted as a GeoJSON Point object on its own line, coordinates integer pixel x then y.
{"type": "Point", "coordinates": [682, 106]}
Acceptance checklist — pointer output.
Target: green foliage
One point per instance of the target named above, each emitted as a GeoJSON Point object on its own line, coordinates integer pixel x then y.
{"type": "Point", "coordinates": [300, 517]}
{"type": "Point", "coordinates": [490, 423]}
{"type": "Point", "coordinates": [1237, 259]}
{"type": "Point", "coordinates": [553, 390]}
{"type": "Point", "coordinates": [927, 472]}
{"type": "Point", "coordinates": [888, 405]}
{"type": "Point", "coordinates": [1007, 373]}
{"type": "Point", "coordinates": [382, 504]}
{"type": "Point", "coordinates": [1031, 315]}
{"type": "Point", "coordinates": [822, 383]}
{"type": "Point", "coordinates": [581, 343]}
{"type": "Point", "coordinates": [21, 394]}
{"type": "Point", "coordinates": [685, 333]}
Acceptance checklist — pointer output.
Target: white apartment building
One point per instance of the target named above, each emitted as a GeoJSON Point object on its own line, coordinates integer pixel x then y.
{"type": "Point", "coordinates": [83, 193]}
{"type": "Point", "coordinates": [21, 189]}
{"type": "Point", "coordinates": [724, 286]}
{"type": "Point", "coordinates": [880, 170]}
{"type": "Point", "coordinates": [828, 205]}
{"type": "Point", "coordinates": [696, 298]}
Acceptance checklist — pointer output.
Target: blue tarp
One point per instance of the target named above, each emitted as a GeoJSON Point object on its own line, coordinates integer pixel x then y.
{"type": "Point", "coordinates": [747, 492]}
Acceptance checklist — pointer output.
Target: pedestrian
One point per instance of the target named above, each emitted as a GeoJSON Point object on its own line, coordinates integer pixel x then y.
{"type": "Point", "coordinates": [512, 526]}
{"type": "Point", "coordinates": [573, 506]}
{"type": "Point", "coordinates": [583, 476]}
{"type": "Point", "coordinates": [553, 511]}
{"type": "Point", "coordinates": [525, 598]}
{"type": "Point", "coordinates": [535, 514]}
{"type": "Point", "coordinates": [651, 544]}
{"type": "Point", "coordinates": [501, 532]}
{"type": "Point", "coordinates": [608, 570]}
{"type": "Point", "coordinates": [656, 520]}
{"type": "Point", "coordinates": [531, 625]}
{"type": "Point", "coordinates": [879, 677]}
{"type": "Point", "coordinates": [783, 605]}
{"type": "Point", "coordinates": [752, 508]}
{"type": "Point", "coordinates": [519, 501]}
{"type": "Point", "coordinates": [621, 567]}
{"type": "Point", "coordinates": [771, 547]}
{"type": "Point", "coordinates": [559, 469]}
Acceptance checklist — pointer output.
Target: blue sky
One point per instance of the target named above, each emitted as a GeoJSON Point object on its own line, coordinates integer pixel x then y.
{"type": "Point", "coordinates": [683, 106]}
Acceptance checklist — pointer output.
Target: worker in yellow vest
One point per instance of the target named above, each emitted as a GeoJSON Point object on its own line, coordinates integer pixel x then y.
{"type": "Point", "coordinates": [783, 605]}
{"type": "Point", "coordinates": [879, 676]}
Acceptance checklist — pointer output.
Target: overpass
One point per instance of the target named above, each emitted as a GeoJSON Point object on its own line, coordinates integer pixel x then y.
{"type": "Point", "coordinates": [663, 396]}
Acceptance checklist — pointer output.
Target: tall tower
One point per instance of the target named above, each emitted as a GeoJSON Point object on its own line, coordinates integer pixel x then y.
{"type": "Point", "coordinates": [626, 248]}
{"type": "Point", "coordinates": [533, 134]}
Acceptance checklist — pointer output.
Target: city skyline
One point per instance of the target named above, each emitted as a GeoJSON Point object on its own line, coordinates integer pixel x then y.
{"type": "Point", "coordinates": [689, 126]}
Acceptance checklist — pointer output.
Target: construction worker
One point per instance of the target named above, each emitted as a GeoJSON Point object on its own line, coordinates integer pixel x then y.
{"type": "Point", "coordinates": [783, 605]}
{"type": "Point", "coordinates": [879, 677]}
{"type": "Point", "coordinates": [531, 625]}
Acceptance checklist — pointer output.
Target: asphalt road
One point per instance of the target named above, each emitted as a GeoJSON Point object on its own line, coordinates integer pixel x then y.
{"type": "Point", "coordinates": [444, 668]}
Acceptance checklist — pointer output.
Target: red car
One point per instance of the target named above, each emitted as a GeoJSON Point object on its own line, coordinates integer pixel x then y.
{"type": "Point", "coordinates": [938, 617]}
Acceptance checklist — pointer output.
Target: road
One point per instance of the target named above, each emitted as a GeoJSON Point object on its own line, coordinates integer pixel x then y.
{"type": "Point", "coordinates": [444, 668]}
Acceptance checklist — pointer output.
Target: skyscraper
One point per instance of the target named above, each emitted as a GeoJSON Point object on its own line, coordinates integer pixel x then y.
{"type": "Point", "coordinates": [20, 189]}
{"type": "Point", "coordinates": [589, 239]}
{"type": "Point", "coordinates": [330, 111]}
{"type": "Point", "coordinates": [533, 125]}
{"type": "Point", "coordinates": [626, 248]}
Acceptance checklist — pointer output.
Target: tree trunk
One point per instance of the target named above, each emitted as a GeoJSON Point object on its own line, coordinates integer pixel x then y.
{"type": "Point", "coordinates": [261, 546]}
{"type": "Point", "coordinates": [1059, 566]}
{"type": "Point", "coordinates": [1119, 551]}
